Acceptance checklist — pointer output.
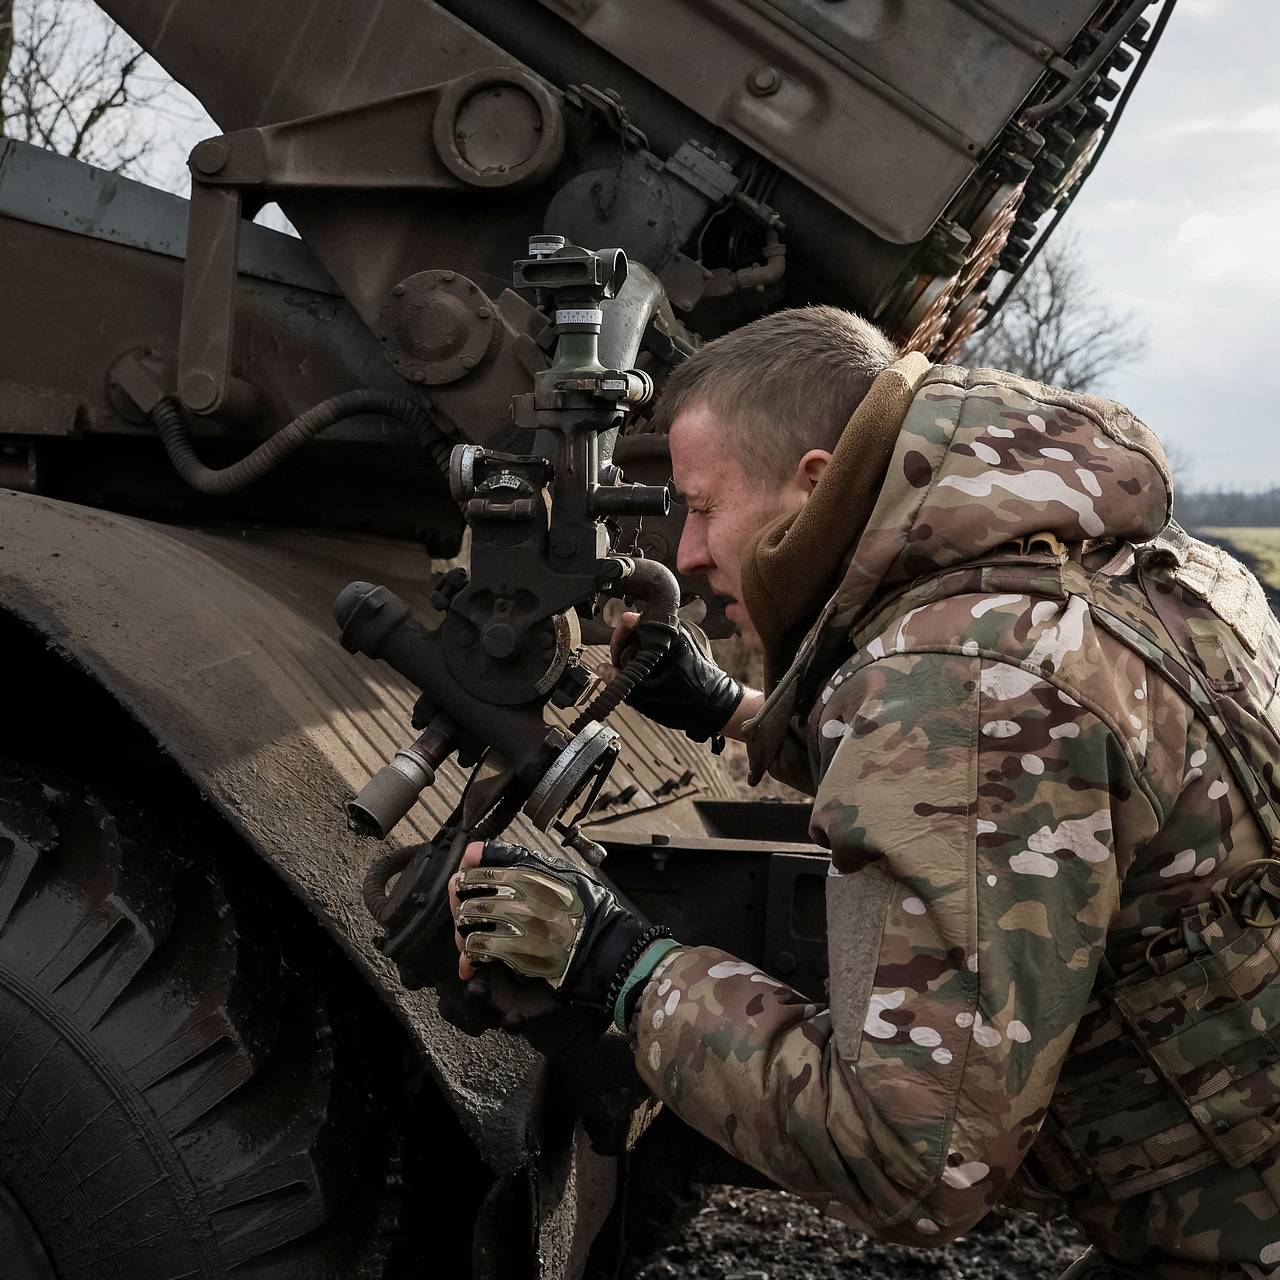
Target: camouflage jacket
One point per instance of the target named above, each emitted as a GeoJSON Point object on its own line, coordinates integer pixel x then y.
{"type": "Point", "coordinates": [1015, 803]}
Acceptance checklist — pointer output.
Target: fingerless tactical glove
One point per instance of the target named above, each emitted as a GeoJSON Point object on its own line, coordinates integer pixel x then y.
{"type": "Point", "coordinates": [687, 690]}
{"type": "Point", "coordinates": [544, 918]}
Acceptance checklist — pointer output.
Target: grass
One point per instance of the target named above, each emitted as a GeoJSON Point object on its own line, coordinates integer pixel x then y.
{"type": "Point", "coordinates": [1262, 544]}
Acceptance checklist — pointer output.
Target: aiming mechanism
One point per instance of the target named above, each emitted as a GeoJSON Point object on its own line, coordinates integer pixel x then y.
{"type": "Point", "coordinates": [543, 529]}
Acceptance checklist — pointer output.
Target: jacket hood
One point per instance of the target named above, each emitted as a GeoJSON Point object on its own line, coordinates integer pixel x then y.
{"type": "Point", "coordinates": [984, 458]}
{"type": "Point", "coordinates": [981, 459]}
{"type": "Point", "coordinates": [794, 564]}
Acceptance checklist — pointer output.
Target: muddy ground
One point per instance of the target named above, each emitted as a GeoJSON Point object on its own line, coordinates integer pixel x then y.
{"type": "Point", "coordinates": [743, 1234]}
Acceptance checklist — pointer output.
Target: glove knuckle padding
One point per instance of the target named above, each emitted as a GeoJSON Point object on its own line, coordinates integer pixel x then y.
{"type": "Point", "coordinates": [527, 917]}
{"type": "Point", "coordinates": [518, 882]}
{"type": "Point", "coordinates": [544, 918]}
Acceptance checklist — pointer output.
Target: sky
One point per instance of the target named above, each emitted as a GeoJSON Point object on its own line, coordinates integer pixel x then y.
{"type": "Point", "coordinates": [1178, 225]}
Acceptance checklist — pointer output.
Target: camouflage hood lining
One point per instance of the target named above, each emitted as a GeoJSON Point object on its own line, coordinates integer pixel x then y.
{"type": "Point", "coordinates": [985, 458]}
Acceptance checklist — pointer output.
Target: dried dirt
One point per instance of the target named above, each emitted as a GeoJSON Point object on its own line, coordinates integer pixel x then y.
{"type": "Point", "coordinates": [745, 1234]}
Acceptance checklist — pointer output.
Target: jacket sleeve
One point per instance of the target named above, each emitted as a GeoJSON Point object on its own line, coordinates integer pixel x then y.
{"type": "Point", "coordinates": [973, 813]}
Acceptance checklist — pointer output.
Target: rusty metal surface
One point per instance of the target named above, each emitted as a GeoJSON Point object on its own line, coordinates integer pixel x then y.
{"type": "Point", "coordinates": [239, 677]}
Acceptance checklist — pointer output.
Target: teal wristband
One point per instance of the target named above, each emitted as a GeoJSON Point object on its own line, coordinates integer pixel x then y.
{"type": "Point", "coordinates": [649, 960]}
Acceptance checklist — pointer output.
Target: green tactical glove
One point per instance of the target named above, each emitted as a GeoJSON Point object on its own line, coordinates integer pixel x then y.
{"type": "Point", "coordinates": [544, 918]}
{"type": "Point", "coordinates": [686, 690]}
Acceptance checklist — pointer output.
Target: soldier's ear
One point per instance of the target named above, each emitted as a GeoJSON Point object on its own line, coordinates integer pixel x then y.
{"type": "Point", "coordinates": [809, 470]}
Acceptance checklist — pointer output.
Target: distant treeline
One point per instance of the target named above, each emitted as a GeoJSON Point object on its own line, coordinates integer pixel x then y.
{"type": "Point", "coordinates": [1228, 507]}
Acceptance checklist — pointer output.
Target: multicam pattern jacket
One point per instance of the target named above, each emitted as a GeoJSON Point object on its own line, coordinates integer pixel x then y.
{"type": "Point", "coordinates": [1016, 805]}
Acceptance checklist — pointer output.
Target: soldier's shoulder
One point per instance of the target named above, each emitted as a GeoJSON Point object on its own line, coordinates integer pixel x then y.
{"type": "Point", "coordinates": [1045, 639]}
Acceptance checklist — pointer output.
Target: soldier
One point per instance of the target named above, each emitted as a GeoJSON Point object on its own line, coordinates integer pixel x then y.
{"type": "Point", "coordinates": [1039, 725]}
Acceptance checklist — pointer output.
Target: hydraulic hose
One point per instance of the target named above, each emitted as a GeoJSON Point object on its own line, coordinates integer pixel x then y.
{"type": "Point", "coordinates": [636, 670]}
{"type": "Point", "coordinates": [501, 816]}
{"type": "Point", "coordinates": [383, 870]}
{"type": "Point", "coordinates": [289, 439]}
{"type": "Point", "coordinates": [652, 582]}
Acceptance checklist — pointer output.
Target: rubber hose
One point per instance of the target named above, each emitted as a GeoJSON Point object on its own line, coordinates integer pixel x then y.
{"type": "Point", "coordinates": [500, 817]}
{"type": "Point", "coordinates": [289, 439]}
{"type": "Point", "coordinates": [374, 887]}
{"type": "Point", "coordinates": [621, 687]}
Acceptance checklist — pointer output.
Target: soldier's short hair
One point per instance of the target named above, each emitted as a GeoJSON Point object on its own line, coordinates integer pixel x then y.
{"type": "Point", "coordinates": [787, 383]}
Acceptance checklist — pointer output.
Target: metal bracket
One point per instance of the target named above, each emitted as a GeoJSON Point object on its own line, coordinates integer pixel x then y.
{"type": "Point", "coordinates": [795, 938]}
{"type": "Point", "coordinates": [496, 127]}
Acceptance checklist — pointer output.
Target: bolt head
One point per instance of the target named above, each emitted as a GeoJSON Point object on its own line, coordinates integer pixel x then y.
{"type": "Point", "coordinates": [500, 640]}
{"type": "Point", "coordinates": [199, 392]}
{"type": "Point", "coordinates": [764, 81]}
{"type": "Point", "coordinates": [211, 156]}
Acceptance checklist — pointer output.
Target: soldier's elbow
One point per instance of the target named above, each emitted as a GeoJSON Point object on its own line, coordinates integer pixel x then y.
{"type": "Point", "coordinates": [932, 1224]}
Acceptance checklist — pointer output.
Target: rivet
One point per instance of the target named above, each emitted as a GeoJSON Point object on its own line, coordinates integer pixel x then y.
{"type": "Point", "coordinates": [764, 81]}
{"type": "Point", "coordinates": [211, 156]}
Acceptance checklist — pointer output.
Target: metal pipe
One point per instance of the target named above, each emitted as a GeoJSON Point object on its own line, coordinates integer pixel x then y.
{"type": "Point", "coordinates": [1106, 47]}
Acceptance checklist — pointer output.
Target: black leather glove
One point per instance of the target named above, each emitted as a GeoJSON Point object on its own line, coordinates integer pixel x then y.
{"type": "Point", "coordinates": [686, 690]}
{"type": "Point", "coordinates": [544, 918]}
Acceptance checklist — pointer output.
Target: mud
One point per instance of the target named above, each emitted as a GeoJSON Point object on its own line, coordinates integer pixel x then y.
{"type": "Point", "coordinates": [743, 1234]}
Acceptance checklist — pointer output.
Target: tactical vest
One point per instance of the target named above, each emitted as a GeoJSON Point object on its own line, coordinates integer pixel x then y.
{"type": "Point", "coordinates": [1176, 1067]}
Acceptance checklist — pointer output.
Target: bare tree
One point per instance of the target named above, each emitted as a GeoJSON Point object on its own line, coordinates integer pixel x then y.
{"type": "Point", "coordinates": [73, 82]}
{"type": "Point", "coordinates": [1055, 329]}
{"type": "Point", "coordinates": [6, 44]}
{"type": "Point", "coordinates": [1182, 462]}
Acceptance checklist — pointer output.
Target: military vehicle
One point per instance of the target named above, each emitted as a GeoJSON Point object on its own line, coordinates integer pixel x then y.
{"type": "Point", "coordinates": [207, 1068]}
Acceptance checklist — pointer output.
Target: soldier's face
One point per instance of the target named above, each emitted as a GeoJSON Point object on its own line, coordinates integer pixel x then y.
{"type": "Point", "coordinates": [726, 508]}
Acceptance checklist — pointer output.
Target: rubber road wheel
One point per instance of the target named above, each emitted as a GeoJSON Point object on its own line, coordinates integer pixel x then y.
{"type": "Point", "coordinates": [177, 1097]}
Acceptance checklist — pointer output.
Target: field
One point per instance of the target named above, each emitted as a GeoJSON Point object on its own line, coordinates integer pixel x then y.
{"type": "Point", "coordinates": [1258, 548]}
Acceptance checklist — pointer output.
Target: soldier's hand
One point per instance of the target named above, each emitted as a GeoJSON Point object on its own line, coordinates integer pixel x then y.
{"type": "Point", "coordinates": [686, 690]}
{"type": "Point", "coordinates": [543, 918]}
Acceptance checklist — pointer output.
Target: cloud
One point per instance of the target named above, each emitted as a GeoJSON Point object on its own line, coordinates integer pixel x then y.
{"type": "Point", "coordinates": [1202, 8]}
{"type": "Point", "coordinates": [1221, 246]}
{"type": "Point", "coordinates": [1263, 120]}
